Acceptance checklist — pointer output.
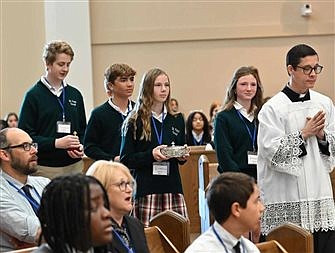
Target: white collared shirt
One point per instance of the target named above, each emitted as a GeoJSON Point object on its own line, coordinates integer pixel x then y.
{"type": "Point", "coordinates": [208, 242]}
{"type": "Point", "coordinates": [160, 116]}
{"type": "Point", "coordinates": [19, 185]}
{"type": "Point", "coordinates": [244, 112]}
{"type": "Point", "coordinates": [51, 88]}
{"type": "Point", "coordinates": [125, 113]}
{"type": "Point", "coordinates": [197, 137]}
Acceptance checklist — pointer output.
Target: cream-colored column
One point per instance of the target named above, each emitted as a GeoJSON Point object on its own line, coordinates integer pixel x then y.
{"type": "Point", "coordinates": [70, 21]}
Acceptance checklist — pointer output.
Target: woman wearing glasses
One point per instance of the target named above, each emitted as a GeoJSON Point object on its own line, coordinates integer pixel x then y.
{"type": "Point", "coordinates": [128, 233]}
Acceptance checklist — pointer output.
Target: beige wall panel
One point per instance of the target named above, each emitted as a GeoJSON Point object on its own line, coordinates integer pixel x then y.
{"type": "Point", "coordinates": [138, 21]}
{"type": "Point", "coordinates": [201, 44]}
{"type": "Point", "coordinates": [22, 39]}
{"type": "Point", "coordinates": [198, 44]}
{"type": "Point", "coordinates": [200, 71]}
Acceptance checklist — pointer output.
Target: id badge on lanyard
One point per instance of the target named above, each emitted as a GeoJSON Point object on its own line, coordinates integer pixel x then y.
{"type": "Point", "coordinates": [252, 157]}
{"type": "Point", "coordinates": [161, 168]}
{"type": "Point", "coordinates": [63, 127]}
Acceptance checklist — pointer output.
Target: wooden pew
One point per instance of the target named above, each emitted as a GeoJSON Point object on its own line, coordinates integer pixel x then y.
{"type": "Point", "coordinates": [175, 226]}
{"type": "Point", "coordinates": [158, 242]}
{"type": "Point", "coordinates": [190, 176]}
{"type": "Point", "coordinates": [87, 163]}
{"type": "Point", "coordinates": [271, 247]}
{"type": "Point", "coordinates": [25, 250]}
{"type": "Point", "coordinates": [295, 239]}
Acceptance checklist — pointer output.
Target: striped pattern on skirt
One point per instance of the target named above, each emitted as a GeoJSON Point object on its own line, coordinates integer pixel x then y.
{"type": "Point", "coordinates": [148, 206]}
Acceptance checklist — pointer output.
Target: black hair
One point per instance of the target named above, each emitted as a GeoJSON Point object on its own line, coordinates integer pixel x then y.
{"type": "Point", "coordinates": [297, 52]}
{"type": "Point", "coordinates": [3, 124]}
{"type": "Point", "coordinates": [226, 189]}
{"type": "Point", "coordinates": [64, 213]}
{"type": "Point", "coordinates": [207, 134]}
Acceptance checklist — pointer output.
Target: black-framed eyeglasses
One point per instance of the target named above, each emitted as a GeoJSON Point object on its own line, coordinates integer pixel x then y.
{"type": "Point", "coordinates": [26, 146]}
{"type": "Point", "coordinates": [307, 70]}
{"type": "Point", "coordinates": [123, 185]}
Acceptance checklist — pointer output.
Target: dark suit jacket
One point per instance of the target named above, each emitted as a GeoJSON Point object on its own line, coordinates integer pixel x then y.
{"type": "Point", "coordinates": [137, 236]}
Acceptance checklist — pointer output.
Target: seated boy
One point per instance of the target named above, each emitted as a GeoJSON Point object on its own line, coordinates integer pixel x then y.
{"type": "Point", "coordinates": [233, 200]}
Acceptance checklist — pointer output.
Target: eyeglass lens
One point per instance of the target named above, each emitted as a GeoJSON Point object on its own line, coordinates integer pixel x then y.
{"type": "Point", "coordinates": [308, 69]}
{"type": "Point", "coordinates": [123, 185]}
{"type": "Point", "coordinates": [27, 146]}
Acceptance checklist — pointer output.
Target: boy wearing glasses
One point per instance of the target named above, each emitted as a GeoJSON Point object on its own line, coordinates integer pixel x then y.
{"type": "Point", "coordinates": [20, 193]}
{"type": "Point", "coordinates": [296, 153]}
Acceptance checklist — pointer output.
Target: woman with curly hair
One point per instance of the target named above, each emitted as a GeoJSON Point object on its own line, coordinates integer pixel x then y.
{"type": "Point", "coordinates": [197, 129]}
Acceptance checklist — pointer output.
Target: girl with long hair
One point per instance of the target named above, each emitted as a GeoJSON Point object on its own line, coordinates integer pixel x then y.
{"type": "Point", "coordinates": [235, 133]}
{"type": "Point", "coordinates": [147, 129]}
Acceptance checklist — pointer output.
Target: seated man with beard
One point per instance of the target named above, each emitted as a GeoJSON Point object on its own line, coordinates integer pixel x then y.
{"type": "Point", "coordinates": [20, 192]}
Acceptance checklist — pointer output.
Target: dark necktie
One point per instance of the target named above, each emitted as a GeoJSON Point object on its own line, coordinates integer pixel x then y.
{"type": "Point", "coordinates": [34, 204]}
{"type": "Point", "coordinates": [237, 247]}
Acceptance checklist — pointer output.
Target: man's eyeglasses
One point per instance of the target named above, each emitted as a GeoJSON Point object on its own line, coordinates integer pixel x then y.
{"type": "Point", "coordinates": [123, 185]}
{"type": "Point", "coordinates": [308, 69]}
{"type": "Point", "coordinates": [26, 146]}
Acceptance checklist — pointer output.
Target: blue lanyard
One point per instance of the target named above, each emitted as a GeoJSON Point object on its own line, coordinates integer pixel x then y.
{"type": "Point", "coordinates": [31, 201]}
{"type": "Point", "coordinates": [198, 143]}
{"type": "Point", "coordinates": [221, 241]}
{"type": "Point", "coordinates": [252, 136]}
{"type": "Point", "coordinates": [128, 111]}
{"type": "Point", "coordinates": [159, 137]}
{"type": "Point", "coordinates": [130, 250]}
{"type": "Point", "coordinates": [61, 102]}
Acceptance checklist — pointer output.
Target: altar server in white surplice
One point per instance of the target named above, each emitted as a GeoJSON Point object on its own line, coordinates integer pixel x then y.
{"type": "Point", "coordinates": [296, 153]}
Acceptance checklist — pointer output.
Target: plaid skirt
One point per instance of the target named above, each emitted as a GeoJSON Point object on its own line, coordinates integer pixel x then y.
{"type": "Point", "coordinates": [148, 206]}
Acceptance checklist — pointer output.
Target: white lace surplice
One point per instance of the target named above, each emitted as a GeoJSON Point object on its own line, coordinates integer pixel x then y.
{"type": "Point", "coordinates": [294, 189]}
